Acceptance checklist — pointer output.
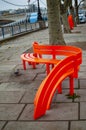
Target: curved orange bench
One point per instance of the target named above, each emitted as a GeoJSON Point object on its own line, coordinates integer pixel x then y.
{"type": "Point", "coordinates": [66, 66]}
{"type": "Point", "coordinates": [39, 51]}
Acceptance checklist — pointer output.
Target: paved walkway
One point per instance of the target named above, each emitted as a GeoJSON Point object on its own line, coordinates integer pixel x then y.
{"type": "Point", "coordinates": [17, 92]}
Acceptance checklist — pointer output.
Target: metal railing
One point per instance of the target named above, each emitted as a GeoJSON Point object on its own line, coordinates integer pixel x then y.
{"type": "Point", "coordinates": [11, 30]}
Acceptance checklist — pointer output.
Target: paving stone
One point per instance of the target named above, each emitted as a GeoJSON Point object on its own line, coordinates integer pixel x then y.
{"type": "Point", "coordinates": [27, 113]}
{"type": "Point", "coordinates": [35, 84]}
{"type": "Point", "coordinates": [2, 124]}
{"type": "Point", "coordinates": [58, 111]}
{"type": "Point", "coordinates": [82, 110]}
{"type": "Point", "coordinates": [41, 77]}
{"type": "Point", "coordinates": [31, 92]}
{"type": "Point", "coordinates": [10, 111]}
{"type": "Point", "coordinates": [78, 125]}
{"type": "Point", "coordinates": [62, 97]}
{"type": "Point", "coordinates": [83, 60]}
{"type": "Point", "coordinates": [14, 86]}
{"type": "Point", "coordinates": [4, 77]}
{"type": "Point", "coordinates": [22, 77]}
{"type": "Point", "coordinates": [82, 94]}
{"type": "Point", "coordinates": [83, 67]}
{"type": "Point", "coordinates": [29, 96]}
{"type": "Point", "coordinates": [39, 68]}
{"type": "Point", "coordinates": [10, 63]}
{"type": "Point", "coordinates": [74, 37]}
{"type": "Point", "coordinates": [19, 86]}
{"type": "Point", "coordinates": [10, 96]}
{"type": "Point", "coordinates": [37, 125]}
{"type": "Point", "coordinates": [66, 84]}
{"type": "Point", "coordinates": [82, 83]}
{"type": "Point", "coordinates": [84, 52]}
{"type": "Point", "coordinates": [6, 68]}
{"type": "Point", "coordinates": [82, 75]}
{"type": "Point", "coordinates": [3, 86]}
{"type": "Point", "coordinates": [84, 63]}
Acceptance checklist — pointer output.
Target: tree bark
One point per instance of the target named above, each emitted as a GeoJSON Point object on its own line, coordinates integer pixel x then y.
{"type": "Point", "coordinates": [65, 23]}
{"type": "Point", "coordinates": [63, 10]}
{"type": "Point", "coordinates": [76, 10]}
{"type": "Point", "coordinates": [55, 30]}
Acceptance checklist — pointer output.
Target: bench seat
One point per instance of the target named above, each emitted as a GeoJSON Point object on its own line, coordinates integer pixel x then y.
{"type": "Point", "coordinates": [33, 60]}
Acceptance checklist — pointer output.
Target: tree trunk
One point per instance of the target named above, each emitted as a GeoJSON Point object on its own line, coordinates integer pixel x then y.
{"type": "Point", "coordinates": [65, 23]}
{"type": "Point", "coordinates": [55, 30]}
{"type": "Point", "coordinates": [63, 11]}
{"type": "Point", "coordinates": [76, 10]}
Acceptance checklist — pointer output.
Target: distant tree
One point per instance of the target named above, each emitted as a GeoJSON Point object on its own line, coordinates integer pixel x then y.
{"type": "Point", "coordinates": [54, 22]}
{"type": "Point", "coordinates": [71, 8]}
{"type": "Point", "coordinates": [77, 8]}
{"type": "Point", "coordinates": [64, 11]}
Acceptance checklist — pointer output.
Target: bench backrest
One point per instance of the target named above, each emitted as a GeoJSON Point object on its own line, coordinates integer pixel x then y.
{"type": "Point", "coordinates": [55, 50]}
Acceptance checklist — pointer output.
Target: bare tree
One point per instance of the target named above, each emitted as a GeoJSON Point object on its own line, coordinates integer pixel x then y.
{"type": "Point", "coordinates": [72, 11]}
{"type": "Point", "coordinates": [76, 9]}
{"type": "Point", "coordinates": [55, 31]}
{"type": "Point", "coordinates": [64, 9]}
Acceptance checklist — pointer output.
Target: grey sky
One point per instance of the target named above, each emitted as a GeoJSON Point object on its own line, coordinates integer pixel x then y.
{"type": "Point", "coordinates": [5, 6]}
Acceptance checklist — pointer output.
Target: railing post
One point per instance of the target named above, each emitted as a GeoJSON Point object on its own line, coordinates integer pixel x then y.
{"type": "Point", "coordinates": [31, 26]}
{"type": "Point", "coordinates": [26, 25]}
{"type": "Point", "coordinates": [12, 30]}
{"type": "Point", "coordinates": [3, 32]}
{"type": "Point", "coordinates": [19, 28]}
{"type": "Point", "coordinates": [35, 26]}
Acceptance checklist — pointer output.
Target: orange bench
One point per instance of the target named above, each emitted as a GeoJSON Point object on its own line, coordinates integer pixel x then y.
{"type": "Point", "coordinates": [66, 59]}
{"type": "Point", "coordinates": [39, 51]}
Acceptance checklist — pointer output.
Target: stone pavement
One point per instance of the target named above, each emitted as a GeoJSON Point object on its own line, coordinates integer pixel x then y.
{"type": "Point", "coordinates": [17, 92]}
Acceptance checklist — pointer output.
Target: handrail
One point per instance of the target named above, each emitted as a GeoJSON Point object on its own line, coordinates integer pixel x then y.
{"type": "Point", "coordinates": [11, 29]}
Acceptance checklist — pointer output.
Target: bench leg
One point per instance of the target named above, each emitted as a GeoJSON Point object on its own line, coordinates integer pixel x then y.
{"type": "Point", "coordinates": [29, 63]}
{"type": "Point", "coordinates": [52, 66]}
{"type": "Point", "coordinates": [71, 85]}
{"type": "Point", "coordinates": [24, 64]}
{"type": "Point", "coordinates": [47, 68]}
{"type": "Point", "coordinates": [60, 88]}
{"type": "Point", "coordinates": [34, 65]}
